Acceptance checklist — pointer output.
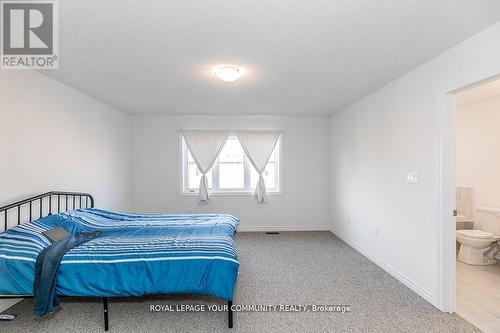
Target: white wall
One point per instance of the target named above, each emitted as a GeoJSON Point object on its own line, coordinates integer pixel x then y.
{"type": "Point", "coordinates": [53, 137]}
{"type": "Point", "coordinates": [376, 140]}
{"type": "Point", "coordinates": [303, 205]}
{"type": "Point", "coordinates": [477, 142]}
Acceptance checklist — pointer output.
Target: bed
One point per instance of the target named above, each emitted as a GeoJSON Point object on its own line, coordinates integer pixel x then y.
{"type": "Point", "coordinates": [138, 254]}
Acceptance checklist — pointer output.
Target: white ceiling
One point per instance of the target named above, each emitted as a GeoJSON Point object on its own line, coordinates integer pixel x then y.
{"type": "Point", "coordinates": [479, 93]}
{"type": "Point", "coordinates": [301, 57]}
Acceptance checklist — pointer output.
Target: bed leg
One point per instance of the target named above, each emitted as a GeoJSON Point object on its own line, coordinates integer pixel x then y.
{"type": "Point", "coordinates": [230, 314]}
{"type": "Point", "coordinates": [105, 307]}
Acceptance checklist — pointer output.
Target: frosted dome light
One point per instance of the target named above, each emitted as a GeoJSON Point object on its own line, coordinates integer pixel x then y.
{"type": "Point", "coordinates": [228, 73]}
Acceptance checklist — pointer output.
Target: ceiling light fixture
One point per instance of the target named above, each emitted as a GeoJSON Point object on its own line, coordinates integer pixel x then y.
{"type": "Point", "coordinates": [228, 73]}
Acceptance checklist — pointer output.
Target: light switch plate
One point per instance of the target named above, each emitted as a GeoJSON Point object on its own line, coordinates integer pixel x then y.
{"type": "Point", "coordinates": [412, 177]}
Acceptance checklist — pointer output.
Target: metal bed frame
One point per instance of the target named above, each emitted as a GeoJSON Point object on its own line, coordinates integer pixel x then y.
{"type": "Point", "coordinates": [46, 207]}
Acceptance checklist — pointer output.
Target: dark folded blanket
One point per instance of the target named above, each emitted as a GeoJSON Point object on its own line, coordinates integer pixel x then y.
{"type": "Point", "coordinates": [47, 267]}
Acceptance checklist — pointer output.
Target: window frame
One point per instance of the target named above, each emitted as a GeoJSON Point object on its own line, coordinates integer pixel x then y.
{"type": "Point", "coordinates": [185, 191]}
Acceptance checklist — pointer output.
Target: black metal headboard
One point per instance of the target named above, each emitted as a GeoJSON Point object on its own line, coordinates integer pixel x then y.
{"type": "Point", "coordinates": [42, 205]}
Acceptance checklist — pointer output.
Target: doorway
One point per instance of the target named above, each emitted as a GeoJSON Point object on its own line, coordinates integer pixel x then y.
{"type": "Point", "coordinates": [474, 166]}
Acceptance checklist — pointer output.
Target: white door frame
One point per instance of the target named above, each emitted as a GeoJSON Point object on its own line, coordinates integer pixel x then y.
{"type": "Point", "coordinates": [446, 251]}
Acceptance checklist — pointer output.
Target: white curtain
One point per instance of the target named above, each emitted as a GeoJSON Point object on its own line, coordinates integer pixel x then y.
{"type": "Point", "coordinates": [205, 146]}
{"type": "Point", "coordinates": [258, 146]}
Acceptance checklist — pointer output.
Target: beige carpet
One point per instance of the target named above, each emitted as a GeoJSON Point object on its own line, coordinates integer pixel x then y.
{"type": "Point", "coordinates": [289, 268]}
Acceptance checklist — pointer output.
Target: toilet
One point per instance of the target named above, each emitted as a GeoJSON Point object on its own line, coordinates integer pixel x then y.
{"type": "Point", "coordinates": [479, 247]}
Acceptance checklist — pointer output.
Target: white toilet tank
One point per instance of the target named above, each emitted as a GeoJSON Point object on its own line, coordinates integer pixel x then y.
{"type": "Point", "coordinates": [489, 219]}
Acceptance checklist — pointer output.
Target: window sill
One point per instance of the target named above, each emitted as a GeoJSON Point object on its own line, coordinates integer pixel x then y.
{"type": "Point", "coordinates": [227, 193]}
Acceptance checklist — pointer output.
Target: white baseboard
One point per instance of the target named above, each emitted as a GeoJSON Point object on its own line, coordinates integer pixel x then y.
{"type": "Point", "coordinates": [266, 228]}
{"type": "Point", "coordinates": [389, 269]}
{"type": "Point", "coordinates": [7, 303]}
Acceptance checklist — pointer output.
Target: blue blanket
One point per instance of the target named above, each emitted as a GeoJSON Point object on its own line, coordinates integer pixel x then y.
{"type": "Point", "coordinates": [46, 270]}
{"type": "Point", "coordinates": [139, 254]}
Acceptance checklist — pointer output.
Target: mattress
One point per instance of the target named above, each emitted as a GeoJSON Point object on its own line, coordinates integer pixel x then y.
{"type": "Point", "coordinates": [139, 254]}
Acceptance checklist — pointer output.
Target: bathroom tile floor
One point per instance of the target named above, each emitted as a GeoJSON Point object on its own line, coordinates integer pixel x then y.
{"type": "Point", "coordinates": [478, 295]}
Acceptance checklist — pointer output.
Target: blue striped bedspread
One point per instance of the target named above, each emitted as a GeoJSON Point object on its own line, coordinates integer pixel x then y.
{"type": "Point", "coordinates": [139, 254]}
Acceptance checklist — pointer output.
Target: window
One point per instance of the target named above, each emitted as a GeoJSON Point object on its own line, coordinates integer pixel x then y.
{"type": "Point", "coordinates": [232, 172]}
